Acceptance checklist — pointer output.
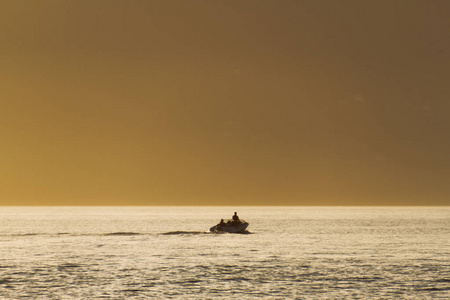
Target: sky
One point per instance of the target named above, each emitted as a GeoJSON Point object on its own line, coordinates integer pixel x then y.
{"type": "Point", "coordinates": [255, 102]}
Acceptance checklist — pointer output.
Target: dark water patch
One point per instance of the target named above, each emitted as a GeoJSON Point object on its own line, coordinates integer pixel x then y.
{"type": "Point", "coordinates": [227, 266]}
{"type": "Point", "coordinates": [133, 290]}
{"type": "Point", "coordinates": [434, 289]}
{"type": "Point", "coordinates": [240, 278]}
{"type": "Point", "coordinates": [312, 274]}
{"type": "Point", "coordinates": [36, 234]}
{"type": "Point", "coordinates": [303, 267]}
{"type": "Point", "coordinates": [21, 273]}
{"type": "Point", "coordinates": [121, 233]}
{"type": "Point", "coordinates": [5, 281]}
{"type": "Point", "coordinates": [21, 234]}
{"type": "Point", "coordinates": [170, 294]}
{"type": "Point", "coordinates": [260, 294]}
{"type": "Point", "coordinates": [128, 269]}
{"type": "Point", "coordinates": [364, 279]}
{"type": "Point", "coordinates": [68, 266]}
{"type": "Point", "coordinates": [184, 233]}
{"type": "Point", "coordinates": [39, 270]}
{"type": "Point", "coordinates": [201, 267]}
{"type": "Point", "coordinates": [6, 267]}
{"type": "Point", "coordinates": [190, 281]}
{"type": "Point", "coordinates": [325, 253]}
{"type": "Point", "coordinates": [443, 280]}
{"type": "Point", "coordinates": [207, 254]}
{"type": "Point", "coordinates": [269, 260]}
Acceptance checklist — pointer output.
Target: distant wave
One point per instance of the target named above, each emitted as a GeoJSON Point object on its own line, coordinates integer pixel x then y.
{"type": "Point", "coordinates": [122, 233]}
{"type": "Point", "coordinates": [119, 233]}
{"type": "Point", "coordinates": [28, 234]}
{"type": "Point", "coordinates": [68, 266]}
{"type": "Point", "coordinates": [200, 232]}
{"type": "Point", "coordinates": [23, 234]}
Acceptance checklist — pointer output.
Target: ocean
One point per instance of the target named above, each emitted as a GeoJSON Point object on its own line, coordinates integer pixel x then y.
{"type": "Point", "coordinates": [169, 253]}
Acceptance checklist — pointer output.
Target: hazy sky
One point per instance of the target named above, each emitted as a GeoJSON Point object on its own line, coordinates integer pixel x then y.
{"type": "Point", "coordinates": [224, 102]}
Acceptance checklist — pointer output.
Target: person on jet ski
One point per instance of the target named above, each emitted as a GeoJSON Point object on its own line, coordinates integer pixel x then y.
{"type": "Point", "coordinates": [222, 223]}
{"type": "Point", "coordinates": [236, 218]}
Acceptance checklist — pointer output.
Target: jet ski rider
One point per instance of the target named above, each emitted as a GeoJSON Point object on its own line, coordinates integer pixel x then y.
{"type": "Point", "coordinates": [236, 218]}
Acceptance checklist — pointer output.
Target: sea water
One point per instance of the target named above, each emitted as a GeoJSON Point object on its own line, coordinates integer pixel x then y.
{"type": "Point", "coordinates": [168, 252]}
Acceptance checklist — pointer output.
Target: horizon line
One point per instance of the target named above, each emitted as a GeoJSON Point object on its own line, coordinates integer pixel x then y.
{"type": "Point", "coordinates": [224, 205]}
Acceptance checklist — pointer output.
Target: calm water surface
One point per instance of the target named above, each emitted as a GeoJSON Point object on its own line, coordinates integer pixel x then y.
{"type": "Point", "coordinates": [167, 252]}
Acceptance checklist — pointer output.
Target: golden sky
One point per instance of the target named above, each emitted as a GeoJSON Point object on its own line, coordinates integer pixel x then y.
{"type": "Point", "coordinates": [224, 102]}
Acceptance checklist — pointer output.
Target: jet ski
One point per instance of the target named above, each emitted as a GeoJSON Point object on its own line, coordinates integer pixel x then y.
{"type": "Point", "coordinates": [231, 227]}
